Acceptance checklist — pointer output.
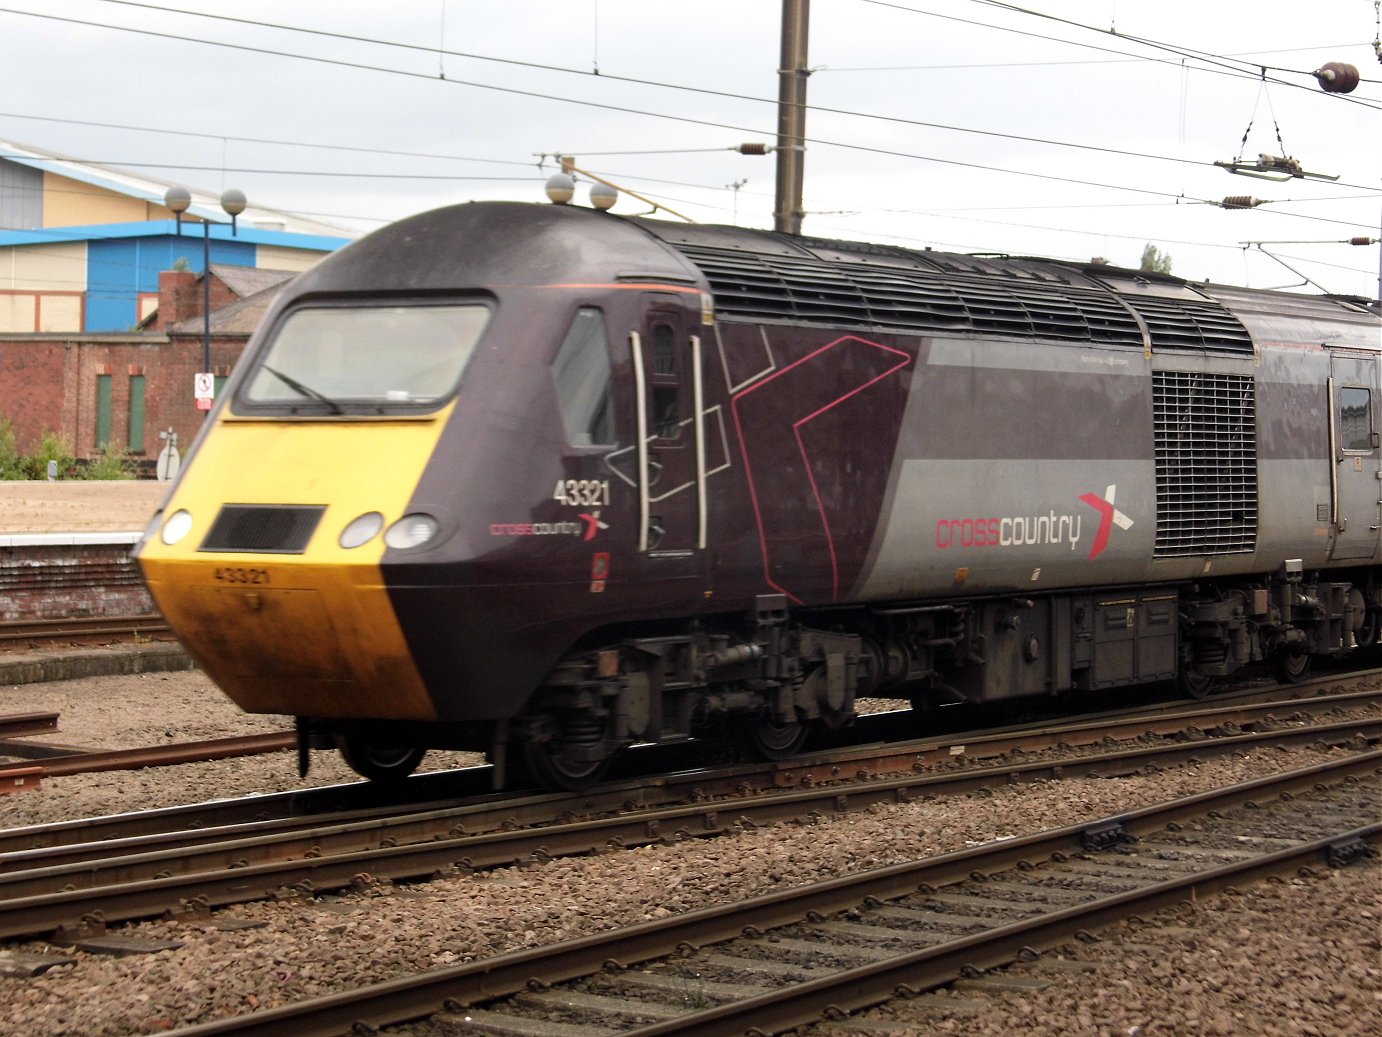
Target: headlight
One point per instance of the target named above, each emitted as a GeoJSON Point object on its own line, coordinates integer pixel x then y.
{"type": "Point", "coordinates": [362, 530]}
{"type": "Point", "coordinates": [177, 527]}
{"type": "Point", "coordinates": [411, 531]}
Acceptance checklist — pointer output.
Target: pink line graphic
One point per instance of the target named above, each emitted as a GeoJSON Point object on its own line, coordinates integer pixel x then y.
{"type": "Point", "coordinates": [809, 379]}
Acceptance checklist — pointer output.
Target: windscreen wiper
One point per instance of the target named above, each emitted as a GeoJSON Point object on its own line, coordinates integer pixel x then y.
{"type": "Point", "coordinates": [304, 390]}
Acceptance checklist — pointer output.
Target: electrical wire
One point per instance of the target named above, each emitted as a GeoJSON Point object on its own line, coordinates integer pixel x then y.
{"type": "Point", "coordinates": [633, 111]}
{"type": "Point", "coordinates": [335, 62]}
{"type": "Point", "coordinates": [820, 109]}
{"type": "Point", "coordinates": [1234, 65]}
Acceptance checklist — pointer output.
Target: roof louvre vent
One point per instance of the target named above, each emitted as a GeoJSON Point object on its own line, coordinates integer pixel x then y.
{"type": "Point", "coordinates": [952, 294]}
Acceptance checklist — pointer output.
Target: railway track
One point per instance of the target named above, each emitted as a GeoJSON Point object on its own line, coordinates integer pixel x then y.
{"type": "Point", "coordinates": [22, 635]}
{"type": "Point", "coordinates": [649, 782]}
{"type": "Point", "coordinates": [56, 763]}
{"type": "Point", "coordinates": [776, 962]}
{"type": "Point", "coordinates": [49, 883]}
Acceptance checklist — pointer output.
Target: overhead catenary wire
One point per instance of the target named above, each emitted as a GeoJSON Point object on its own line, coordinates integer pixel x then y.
{"type": "Point", "coordinates": [820, 109]}
{"type": "Point", "coordinates": [337, 62]}
{"type": "Point", "coordinates": [1235, 65]}
{"type": "Point", "coordinates": [1169, 197]}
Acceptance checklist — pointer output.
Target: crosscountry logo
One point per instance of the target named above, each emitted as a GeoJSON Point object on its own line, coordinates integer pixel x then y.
{"type": "Point", "coordinates": [1109, 516]}
{"type": "Point", "coordinates": [592, 524]}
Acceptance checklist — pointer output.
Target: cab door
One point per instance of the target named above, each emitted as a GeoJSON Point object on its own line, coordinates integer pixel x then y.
{"type": "Point", "coordinates": [669, 456]}
{"type": "Point", "coordinates": [1356, 485]}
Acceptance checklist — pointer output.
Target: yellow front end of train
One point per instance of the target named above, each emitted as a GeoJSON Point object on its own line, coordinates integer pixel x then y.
{"type": "Point", "coordinates": [267, 558]}
{"type": "Point", "coordinates": [304, 629]}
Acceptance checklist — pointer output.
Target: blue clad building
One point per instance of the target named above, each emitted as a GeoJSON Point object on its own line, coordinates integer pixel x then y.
{"type": "Point", "coordinates": [81, 246]}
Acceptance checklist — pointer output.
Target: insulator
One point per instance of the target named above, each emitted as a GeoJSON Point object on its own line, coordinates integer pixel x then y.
{"type": "Point", "coordinates": [1362, 241]}
{"type": "Point", "coordinates": [752, 148]}
{"type": "Point", "coordinates": [1337, 78]}
{"type": "Point", "coordinates": [1241, 201]}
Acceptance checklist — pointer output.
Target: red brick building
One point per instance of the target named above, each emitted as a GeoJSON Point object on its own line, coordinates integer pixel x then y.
{"type": "Point", "coordinates": [124, 388]}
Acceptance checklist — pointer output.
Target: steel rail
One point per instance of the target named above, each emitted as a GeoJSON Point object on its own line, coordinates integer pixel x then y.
{"type": "Point", "coordinates": [1155, 720]}
{"type": "Point", "coordinates": [16, 724]}
{"type": "Point", "coordinates": [160, 755]}
{"type": "Point", "coordinates": [118, 888]}
{"type": "Point", "coordinates": [413, 997]}
{"type": "Point", "coordinates": [86, 865]}
{"type": "Point", "coordinates": [280, 838]}
{"type": "Point", "coordinates": [444, 788]}
{"type": "Point", "coordinates": [868, 985]}
{"type": "Point", "coordinates": [41, 630]}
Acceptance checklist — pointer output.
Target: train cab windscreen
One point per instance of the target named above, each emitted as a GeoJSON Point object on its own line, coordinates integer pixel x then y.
{"type": "Point", "coordinates": [364, 359]}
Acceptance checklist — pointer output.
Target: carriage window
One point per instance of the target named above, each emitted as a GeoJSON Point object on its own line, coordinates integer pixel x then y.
{"type": "Point", "coordinates": [582, 373]}
{"type": "Point", "coordinates": [664, 395]}
{"type": "Point", "coordinates": [1355, 419]}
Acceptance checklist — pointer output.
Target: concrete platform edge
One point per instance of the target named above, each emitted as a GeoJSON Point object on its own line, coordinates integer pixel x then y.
{"type": "Point", "coordinates": [72, 663]}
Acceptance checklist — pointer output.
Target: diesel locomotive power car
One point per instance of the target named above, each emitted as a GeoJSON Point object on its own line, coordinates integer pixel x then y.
{"type": "Point", "coordinates": [545, 482]}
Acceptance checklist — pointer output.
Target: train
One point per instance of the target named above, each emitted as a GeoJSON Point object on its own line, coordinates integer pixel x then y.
{"type": "Point", "coordinates": [546, 482]}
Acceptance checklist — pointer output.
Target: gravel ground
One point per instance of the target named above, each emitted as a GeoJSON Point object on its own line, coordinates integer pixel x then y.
{"type": "Point", "coordinates": [1299, 957]}
{"type": "Point", "coordinates": [102, 713]}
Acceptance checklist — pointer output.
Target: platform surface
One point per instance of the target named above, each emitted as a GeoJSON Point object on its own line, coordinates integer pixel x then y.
{"type": "Point", "coordinates": [78, 506]}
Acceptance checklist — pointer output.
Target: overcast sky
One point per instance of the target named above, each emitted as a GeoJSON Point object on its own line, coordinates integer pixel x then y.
{"type": "Point", "coordinates": [954, 124]}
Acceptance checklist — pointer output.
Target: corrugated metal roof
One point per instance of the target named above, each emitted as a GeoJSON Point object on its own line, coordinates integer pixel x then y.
{"type": "Point", "coordinates": [205, 204]}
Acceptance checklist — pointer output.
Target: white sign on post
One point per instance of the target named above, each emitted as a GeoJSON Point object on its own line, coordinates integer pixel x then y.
{"type": "Point", "coordinates": [204, 384]}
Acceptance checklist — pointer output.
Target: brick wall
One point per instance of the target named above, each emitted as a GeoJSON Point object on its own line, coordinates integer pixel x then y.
{"type": "Point", "coordinates": [180, 296]}
{"type": "Point", "coordinates": [33, 388]}
{"type": "Point", "coordinates": [55, 581]}
{"type": "Point", "coordinates": [48, 382]}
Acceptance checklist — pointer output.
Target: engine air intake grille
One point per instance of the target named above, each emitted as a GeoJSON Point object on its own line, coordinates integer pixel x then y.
{"type": "Point", "coordinates": [1206, 463]}
{"type": "Point", "coordinates": [1015, 299]}
{"type": "Point", "coordinates": [1185, 324]}
{"type": "Point", "coordinates": [796, 288]}
{"type": "Point", "coordinates": [266, 528]}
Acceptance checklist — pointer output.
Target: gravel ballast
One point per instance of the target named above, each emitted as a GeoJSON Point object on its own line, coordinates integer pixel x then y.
{"type": "Point", "coordinates": [1296, 957]}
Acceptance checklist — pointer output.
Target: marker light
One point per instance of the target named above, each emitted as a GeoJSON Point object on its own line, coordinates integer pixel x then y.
{"type": "Point", "coordinates": [362, 530]}
{"type": "Point", "coordinates": [411, 531]}
{"type": "Point", "coordinates": [177, 527]}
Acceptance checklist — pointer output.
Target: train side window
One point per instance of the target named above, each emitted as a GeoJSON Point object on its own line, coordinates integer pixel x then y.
{"type": "Point", "coordinates": [664, 393]}
{"type": "Point", "coordinates": [584, 380]}
{"type": "Point", "coordinates": [664, 350]}
{"type": "Point", "coordinates": [1355, 419]}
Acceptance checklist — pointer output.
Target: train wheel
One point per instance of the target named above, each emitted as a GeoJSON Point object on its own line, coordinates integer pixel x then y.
{"type": "Point", "coordinates": [566, 761]}
{"type": "Point", "coordinates": [770, 739]}
{"type": "Point", "coordinates": [1194, 683]}
{"type": "Point", "coordinates": [1291, 665]}
{"type": "Point", "coordinates": [554, 768]}
{"type": "Point", "coordinates": [379, 762]}
{"type": "Point", "coordinates": [1366, 635]}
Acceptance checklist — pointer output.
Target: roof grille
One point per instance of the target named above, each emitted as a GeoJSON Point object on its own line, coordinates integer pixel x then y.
{"type": "Point", "coordinates": [769, 287]}
{"type": "Point", "coordinates": [1009, 299]}
{"type": "Point", "coordinates": [1202, 326]}
{"type": "Point", "coordinates": [1206, 463]}
{"type": "Point", "coordinates": [263, 528]}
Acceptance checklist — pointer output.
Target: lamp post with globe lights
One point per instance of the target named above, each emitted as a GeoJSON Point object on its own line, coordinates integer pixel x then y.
{"type": "Point", "coordinates": [179, 200]}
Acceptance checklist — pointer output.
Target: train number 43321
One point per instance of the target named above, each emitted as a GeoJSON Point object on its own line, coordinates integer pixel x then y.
{"type": "Point", "coordinates": [236, 574]}
{"type": "Point", "coordinates": [582, 493]}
